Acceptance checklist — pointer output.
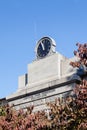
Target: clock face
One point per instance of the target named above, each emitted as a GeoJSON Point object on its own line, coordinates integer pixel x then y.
{"type": "Point", "coordinates": [44, 47]}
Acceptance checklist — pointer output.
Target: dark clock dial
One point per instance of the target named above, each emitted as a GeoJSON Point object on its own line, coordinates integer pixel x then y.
{"type": "Point", "coordinates": [43, 47]}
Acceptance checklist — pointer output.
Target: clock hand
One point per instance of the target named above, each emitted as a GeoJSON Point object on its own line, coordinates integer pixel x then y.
{"type": "Point", "coordinates": [42, 46]}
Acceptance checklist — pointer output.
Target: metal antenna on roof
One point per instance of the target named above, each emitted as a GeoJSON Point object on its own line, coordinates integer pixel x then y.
{"type": "Point", "coordinates": [35, 31]}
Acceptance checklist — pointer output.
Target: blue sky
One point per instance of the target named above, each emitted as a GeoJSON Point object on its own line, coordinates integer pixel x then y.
{"type": "Point", "coordinates": [23, 22]}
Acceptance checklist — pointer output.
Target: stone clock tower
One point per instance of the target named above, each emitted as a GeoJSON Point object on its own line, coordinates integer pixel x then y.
{"type": "Point", "coordinates": [46, 68]}
{"type": "Point", "coordinates": [49, 76]}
